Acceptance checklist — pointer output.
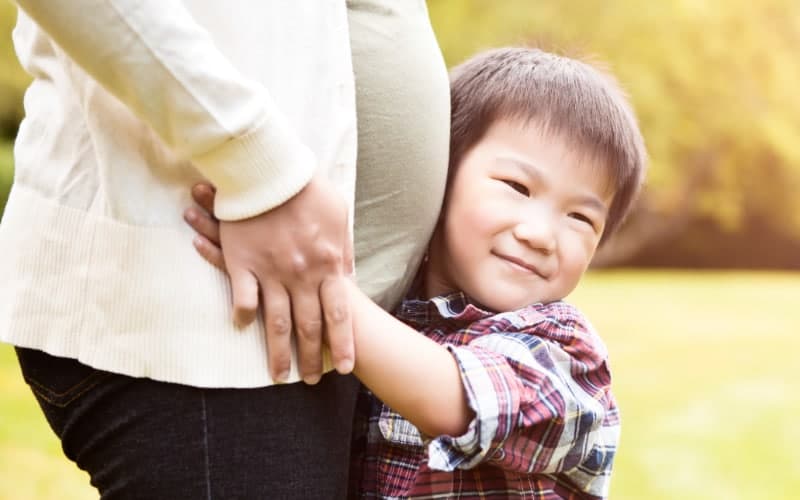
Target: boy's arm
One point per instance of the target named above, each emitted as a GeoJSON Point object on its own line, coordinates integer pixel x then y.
{"type": "Point", "coordinates": [539, 384]}
{"type": "Point", "coordinates": [529, 399]}
{"type": "Point", "coordinates": [412, 374]}
{"type": "Point", "coordinates": [539, 408]}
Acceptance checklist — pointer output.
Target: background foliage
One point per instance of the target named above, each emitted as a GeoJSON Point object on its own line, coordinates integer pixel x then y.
{"type": "Point", "coordinates": [713, 82]}
{"type": "Point", "coordinates": [13, 79]}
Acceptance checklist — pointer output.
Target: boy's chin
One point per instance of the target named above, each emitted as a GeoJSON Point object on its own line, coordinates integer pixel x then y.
{"type": "Point", "coordinates": [503, 301]}
{"type": "Point", "coordinates": [510, 303]}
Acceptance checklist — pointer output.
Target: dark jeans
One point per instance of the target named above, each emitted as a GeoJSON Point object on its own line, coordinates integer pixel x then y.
{"type": "Point", "coordinates": [142, 439]}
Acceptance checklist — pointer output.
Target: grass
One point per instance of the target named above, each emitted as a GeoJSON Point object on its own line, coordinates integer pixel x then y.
{"type": "Point", "coordinates": [31, 464]}
{"type": "Point", "coordinates": [706, 378]}
{"type": "Point", "coordinates": [6, 171]}
{"type": "Point", "coordinates": [703, 366]}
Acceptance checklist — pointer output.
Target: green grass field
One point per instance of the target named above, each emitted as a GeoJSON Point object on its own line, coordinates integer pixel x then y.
{"type": "Point", "coordinates": [702, 364]}
{"type": "Point", "coordinates": [6, 171]}
{"type": "Point", "coordinates": [31, 464]}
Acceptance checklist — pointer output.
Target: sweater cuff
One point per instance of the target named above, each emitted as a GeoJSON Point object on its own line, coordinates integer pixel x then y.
{"type": "Point", "coordinates": [257, 171]}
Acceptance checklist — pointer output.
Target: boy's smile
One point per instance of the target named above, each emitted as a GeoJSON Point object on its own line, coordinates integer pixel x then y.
{"type": "Point", "coordinates": [523, 217]}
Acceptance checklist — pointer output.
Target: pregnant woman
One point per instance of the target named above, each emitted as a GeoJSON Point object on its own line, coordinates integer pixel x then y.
{"type": "Point", "coordinates": [124, 334]}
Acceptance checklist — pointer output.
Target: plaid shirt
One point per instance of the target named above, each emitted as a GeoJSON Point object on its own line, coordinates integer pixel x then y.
{"type": "Point", "coordinates": [546, 425]}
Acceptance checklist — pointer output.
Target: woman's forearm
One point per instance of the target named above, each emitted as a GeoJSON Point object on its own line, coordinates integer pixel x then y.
{"type": "Point", "coordinates": [167, 69]}
{"type": "Point", "coordinates": [415, 376]}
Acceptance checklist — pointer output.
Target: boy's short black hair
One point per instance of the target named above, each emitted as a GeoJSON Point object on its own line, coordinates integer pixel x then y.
{"type": "Point", "coordinates": [568, 98]}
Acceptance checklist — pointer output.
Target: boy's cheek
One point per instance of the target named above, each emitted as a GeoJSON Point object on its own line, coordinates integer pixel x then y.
{"type": "Point", "coordinates": [579, 256]}
{"type": "Point", "coordinates": [483, 217]}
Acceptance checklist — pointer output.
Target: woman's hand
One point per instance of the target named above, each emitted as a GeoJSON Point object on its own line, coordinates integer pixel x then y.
{"type": "Point", "coordinates": [206, 242]}
{"type": "Point", "coordinates": [332, 321]}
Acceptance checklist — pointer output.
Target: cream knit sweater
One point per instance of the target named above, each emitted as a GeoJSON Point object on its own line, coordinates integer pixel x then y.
{"type": "Point", "coordinates": [132, 102]}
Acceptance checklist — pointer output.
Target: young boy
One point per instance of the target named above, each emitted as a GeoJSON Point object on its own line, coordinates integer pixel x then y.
{"type": "Point", "coordinates": [507, 390]}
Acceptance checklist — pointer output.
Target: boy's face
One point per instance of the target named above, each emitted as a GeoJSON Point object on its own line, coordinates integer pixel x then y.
{"type": "Point", "coordinates": [524, 216]}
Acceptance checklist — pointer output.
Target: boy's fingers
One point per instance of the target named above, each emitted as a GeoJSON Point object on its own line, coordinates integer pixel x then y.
{"type": "Point", "coordinates": [245, 296]}
{"type": "Point", "coordinates": [203, 194]}
{"type": "Point", "coordinates": [209, 251]}
{"type": "Point", "coordinates": [338, 323]}
{"type": "Point", "coordinates": [278, 326]}
{"type": "Point", "coordinates": [206, 225]}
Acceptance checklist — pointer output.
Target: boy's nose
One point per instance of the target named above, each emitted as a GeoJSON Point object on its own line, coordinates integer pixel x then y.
{"type": "Point", "coordinates": [538, 232]}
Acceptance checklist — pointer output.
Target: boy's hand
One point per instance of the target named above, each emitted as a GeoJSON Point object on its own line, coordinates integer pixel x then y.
{"type": "Point", "coordinates": [303, 275]}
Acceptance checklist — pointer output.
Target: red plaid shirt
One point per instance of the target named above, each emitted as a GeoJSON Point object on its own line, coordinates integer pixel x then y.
{"type": "Point", "coordinates": [546, 425]}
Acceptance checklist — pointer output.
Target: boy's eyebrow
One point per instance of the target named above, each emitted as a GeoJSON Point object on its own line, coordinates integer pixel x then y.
{"type": "Point", "coordinates": [591, 201]}
{"type": "Point", "coordinates": [588, 200]}
{"type": "Point", "coordinates": [529, 168]}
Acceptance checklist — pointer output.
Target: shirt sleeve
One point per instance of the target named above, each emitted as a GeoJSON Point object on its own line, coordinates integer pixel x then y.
{"type": "Point", "coordinates": [159, 62]}
{"type": "Point", "coordinates": [539, 408]}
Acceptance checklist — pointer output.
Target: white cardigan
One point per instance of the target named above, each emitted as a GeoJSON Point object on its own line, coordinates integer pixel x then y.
{"type": "Point", "coordinates": [132, 102]}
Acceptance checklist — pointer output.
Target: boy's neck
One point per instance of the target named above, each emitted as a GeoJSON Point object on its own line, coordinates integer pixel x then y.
{"type": "Point", "coordinates": [432, 272]}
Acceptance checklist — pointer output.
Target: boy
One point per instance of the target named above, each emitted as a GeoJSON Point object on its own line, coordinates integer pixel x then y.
{"type": "Point", "coordinates": [507, 392]}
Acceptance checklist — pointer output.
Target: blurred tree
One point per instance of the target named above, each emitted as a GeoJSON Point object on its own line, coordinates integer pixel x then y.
{"type": "Point", "coordinates": [13, 79]}
{"type": "Point", "coordinates": [713, 83]}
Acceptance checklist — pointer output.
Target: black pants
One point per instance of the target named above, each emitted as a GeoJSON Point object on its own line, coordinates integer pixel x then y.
{"type": "Point", "coordinates": [141, 439]}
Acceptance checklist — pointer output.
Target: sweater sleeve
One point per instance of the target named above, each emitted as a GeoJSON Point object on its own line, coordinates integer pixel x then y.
{"type": "Point", "coordinates": [160, 63]}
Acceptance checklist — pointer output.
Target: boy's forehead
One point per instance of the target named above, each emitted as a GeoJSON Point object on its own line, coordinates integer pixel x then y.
{"type": "Point", "coordinates": [563, 149]}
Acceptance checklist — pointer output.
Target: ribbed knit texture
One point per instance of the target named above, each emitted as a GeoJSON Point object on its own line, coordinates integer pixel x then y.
{"type": "Point", "coordinates": [106, 315]}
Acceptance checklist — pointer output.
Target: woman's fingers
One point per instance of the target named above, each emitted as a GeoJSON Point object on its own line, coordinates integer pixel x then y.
{"type": "Point", "coordinates": [244, 287]}
{"type": "Point", "coordinates": [308, 324]}
{"type": "Point", "coordinates": [203, 223]}
{"type": "Point", "coordinates": [278, 326]}
{"type": "Point", "coordinates": [203, 194]}
{"type": "Point", "coordinates": [334, 297]}
{"type": "Point", "coordinates": [209, 251]}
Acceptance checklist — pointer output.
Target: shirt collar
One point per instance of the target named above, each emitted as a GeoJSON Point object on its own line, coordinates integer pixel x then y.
{"type": "Point", "coordinates": [456, 306]}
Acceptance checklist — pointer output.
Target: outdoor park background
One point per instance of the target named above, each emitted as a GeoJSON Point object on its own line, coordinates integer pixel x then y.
{"type": "Point", "coordinates": [698, 298]}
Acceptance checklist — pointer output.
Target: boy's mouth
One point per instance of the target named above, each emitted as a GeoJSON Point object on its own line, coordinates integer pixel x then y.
{"type": "Point", "coordinates": [520, 264]}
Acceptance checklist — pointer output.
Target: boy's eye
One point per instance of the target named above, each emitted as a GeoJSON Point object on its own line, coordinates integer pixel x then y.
{"type": "Point", "coordinates": [516, 186]}
{"type": "Point", "coordinates": [582, 218]}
